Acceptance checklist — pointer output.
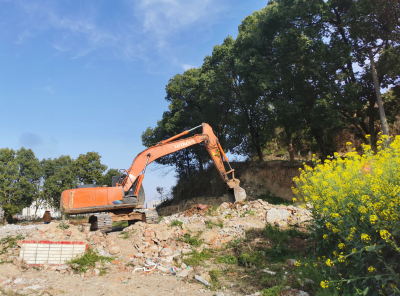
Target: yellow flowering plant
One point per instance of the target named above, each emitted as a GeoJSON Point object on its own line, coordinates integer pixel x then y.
{"type": "Point", "coordinates": [355, 203]}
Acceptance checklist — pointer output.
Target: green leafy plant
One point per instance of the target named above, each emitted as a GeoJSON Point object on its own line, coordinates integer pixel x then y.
{"type": "Point", "coordinates": [124, 234]}
{"type": "Point", "coordinates": [196, 258]}
{"type": "Point", "coordinates": [210, 224]}
{"type": "Point", "coordinates": [193, 241]}
{"type": "Point", "coordinates": [88, 260]}
{"type": "Point", "coordinates": [177, 223]}
{"type": "Point", "coordinates": [63, 225]}
{"type": "Point", "coordinates": [228, 259]}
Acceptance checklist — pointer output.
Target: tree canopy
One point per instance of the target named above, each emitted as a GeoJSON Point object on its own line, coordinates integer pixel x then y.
{"type": "Point", "coordinates": [296, 66]}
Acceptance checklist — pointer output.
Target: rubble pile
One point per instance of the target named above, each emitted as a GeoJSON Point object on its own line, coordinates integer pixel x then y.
{"type": "Point", "coordinates": [13, 230]}
{"type": "Point", "coordinates": [56, 231]}
{"type": "Point", "coordinates": [197, 209]}
{"type": "Point", "coordinates": [161, 247]}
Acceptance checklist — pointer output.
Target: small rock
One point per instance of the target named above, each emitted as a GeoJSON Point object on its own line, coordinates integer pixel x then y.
{"type": "Point", "coordinates": [114, 250]}
{"type": "Point", "coordinates": [183, 265]}
{"type": "Point", "coordinates": [19, 281]}
{"type": "Point", "coordinates": [96, 271]}
{"type": "Point", "coordinates": [273, 215]}
{"type": "Point", "coordinates": [163, 269]}
{"type": "Point", "coordinates": [185, 272]}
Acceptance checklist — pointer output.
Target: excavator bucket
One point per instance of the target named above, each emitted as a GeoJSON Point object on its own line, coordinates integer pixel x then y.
{"type": "Point", "coordinates": [236, 193]}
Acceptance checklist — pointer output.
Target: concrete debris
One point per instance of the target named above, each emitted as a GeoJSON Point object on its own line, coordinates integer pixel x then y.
{"type": "Point", "coordinates": [13, 230]}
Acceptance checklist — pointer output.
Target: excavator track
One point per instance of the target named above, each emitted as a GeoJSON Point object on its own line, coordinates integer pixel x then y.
{"type": "Point", "coordinates": [151, 216]}
{"type": "Point", "coordinates": [102, 222]}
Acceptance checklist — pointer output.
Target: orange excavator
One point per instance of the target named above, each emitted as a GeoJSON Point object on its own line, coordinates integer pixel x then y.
{"type": "Point", "coordinates": [125, 199]}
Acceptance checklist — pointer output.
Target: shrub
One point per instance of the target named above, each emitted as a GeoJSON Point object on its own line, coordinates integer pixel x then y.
{"type": "Point", "coordinates": [355, 203]}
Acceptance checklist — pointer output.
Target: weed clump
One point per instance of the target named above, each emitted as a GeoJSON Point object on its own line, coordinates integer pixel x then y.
{"type": "Point", "coordinates": [177, 223]}
{"type": "Point", "coordinates": [197, 258]}
{"type": "Point", "coordinates": [124, 234]}
{"type": "Point", "coordinates": [63, 226]}
{"type": "Point", "coordinates": [193, 241]}
{"type": "Point", "coordinates": [210, 224]}
{"type": "Point", "coordinates": [88, 260]}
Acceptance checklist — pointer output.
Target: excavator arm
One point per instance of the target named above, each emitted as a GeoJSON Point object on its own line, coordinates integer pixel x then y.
{"type": "Point", "coordinates": [171, 145]}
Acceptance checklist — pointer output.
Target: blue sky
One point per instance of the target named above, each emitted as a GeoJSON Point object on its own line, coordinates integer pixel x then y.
{"type": "Point", "coordinates": [79, 76]}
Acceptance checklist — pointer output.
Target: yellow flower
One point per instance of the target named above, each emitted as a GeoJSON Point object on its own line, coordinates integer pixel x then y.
{"type": "Point", "coordinates": [324, 284]}
{"type": "Point", "coordinates": [341, 246]}
{"type": "Point", "coordinates": [385, 234]}
{"type": "Point", "coordinates": [371, 269]}
{"type": "Point", "coordinates": [367, 136]}
{"type": "Point", "coordinates": [315, 264]}
{"type": "Point", "coordinates": [325, 236]}
{"type": "Point", "coordinates": [294, 199]}
{"type": "Point", "coordinates": [349, 143]}
{"type": "Point", "coordinates": [329, 262]}
{"type": "Point", "coordinates": [297, 263]}
{"type": "Point", "coordinates": [354, 250]}
{"type": "Point", "coordinates": [365, 237]}
{"type": "Point", "coordinates": [373, 219]}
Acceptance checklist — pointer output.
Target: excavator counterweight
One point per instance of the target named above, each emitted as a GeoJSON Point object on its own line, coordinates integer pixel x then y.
{"type": "Point", "coordinates": [125, 200]}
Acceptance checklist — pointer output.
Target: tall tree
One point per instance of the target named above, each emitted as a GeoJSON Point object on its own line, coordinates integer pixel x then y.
{"type": "Point", "coordinates": [59, 175]}
{"type": "Point", "coordinates": [88, 168]}
{"type": "Point", "coordinates": [19, 173]}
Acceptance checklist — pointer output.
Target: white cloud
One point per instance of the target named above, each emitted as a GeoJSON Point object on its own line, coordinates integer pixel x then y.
{"type": "Point", "coordinates": [187, 67]}
{"type": "Point", "coordinates": [145, 25]}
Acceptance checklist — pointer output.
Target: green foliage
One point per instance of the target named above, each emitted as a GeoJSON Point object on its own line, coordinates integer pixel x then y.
{"type": "Point", "coordinates": [177, 223]}
{"type": "Point", "coordinates": [120, 224]}
{"type": "Point", "coordinates": [193, 241]}
{"type": "Point", "coordinates": [228, 259]}
{"type": "Point", "coordinates": [106, 179]}
{"type": "Point", "coordinates": [196, 258]}
{"type": "Point", "coordinates": [9, 242]}
{"type": "Point", "coordinates": [211, 224]}
{"type": "Point", "coordinates": [19, 180]}
{"type": "Point", "coordinates": [273, 291]}
{"type": "Point", "coordinates": [63, 226]}
{"type": "Point", "coordinates": [251, 213]}
{"type": "Point", "coordinates": [89, 169]}
{"type": "Point", "coordinates": [88, 260]}
{"type": "Point", "coordinates": [214, 276]}
{"type": "Point", "coordinates": [255, 258]}
{"type": "Point", "coordinates": [58, 175]}
{"type": "Point", "coordinates": [124, 234]}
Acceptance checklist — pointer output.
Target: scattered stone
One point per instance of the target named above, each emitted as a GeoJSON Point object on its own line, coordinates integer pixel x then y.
{"type": "Point", "coordinates": [185, 272]}
{"type": "Point", "coordinates": [273, 215]}
{"type": "Point", "coordinates": [114, 250]}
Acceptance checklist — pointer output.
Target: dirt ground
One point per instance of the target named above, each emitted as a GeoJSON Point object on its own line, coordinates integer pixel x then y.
{"type": "Point", "coordinates": [50, 283]}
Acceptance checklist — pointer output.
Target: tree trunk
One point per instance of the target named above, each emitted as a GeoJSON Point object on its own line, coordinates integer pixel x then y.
{"type": "Point", "coordinates": [290, 146]}
{"type": "Point", "coordinates": [385, 128]}
{"type": "Point", "coordinates": [371, 124]}
{"type": "Point", "coordinates": [321, 147]}
{"type": "Point", "coordinates": [259, 153]}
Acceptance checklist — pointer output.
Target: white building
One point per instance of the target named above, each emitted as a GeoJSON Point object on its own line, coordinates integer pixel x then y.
{"type": "Point", "coordinates": [29, 212]}
{"type": "Point", "coordinates": [153, 204]}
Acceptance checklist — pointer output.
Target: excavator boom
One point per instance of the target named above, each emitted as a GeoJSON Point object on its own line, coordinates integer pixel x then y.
{"type": "Point", "coordinates": [169, 146]}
